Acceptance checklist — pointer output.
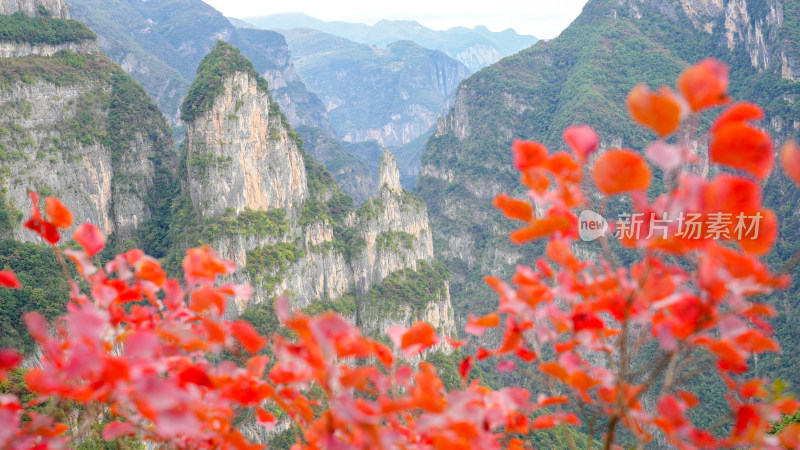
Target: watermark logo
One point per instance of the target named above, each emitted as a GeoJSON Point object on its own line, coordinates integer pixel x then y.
{"type": "Point", "coordinates": [716, 226]}
{"type": "Point", "coordinates": [591, 225]}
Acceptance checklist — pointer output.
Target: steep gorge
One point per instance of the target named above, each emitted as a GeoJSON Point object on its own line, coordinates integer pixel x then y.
{"type": "Point", "coordinates": [268, 206]}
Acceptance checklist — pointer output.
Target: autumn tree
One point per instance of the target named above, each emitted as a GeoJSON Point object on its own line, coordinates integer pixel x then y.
{"type": "Point", "coordinates": [144, 352]}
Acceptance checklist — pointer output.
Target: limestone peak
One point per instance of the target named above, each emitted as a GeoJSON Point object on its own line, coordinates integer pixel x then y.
{"type": "Point", "coordinates": [223, 60]}
{"type": "Point", "coordinates": [389, 174]}
{"type": "Point", "coordinates": [55, 8]}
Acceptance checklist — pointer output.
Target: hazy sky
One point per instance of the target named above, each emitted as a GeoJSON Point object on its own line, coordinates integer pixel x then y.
{"type": "Point", "coordinates": [541, 18]}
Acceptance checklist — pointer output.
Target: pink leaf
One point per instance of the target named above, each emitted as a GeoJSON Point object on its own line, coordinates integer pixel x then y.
{"type": "Point", "coordinates": [117, 429]}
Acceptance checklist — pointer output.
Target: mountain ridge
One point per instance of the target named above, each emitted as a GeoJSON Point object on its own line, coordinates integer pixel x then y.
{"type": "Point", "coordinates": [476, 47]}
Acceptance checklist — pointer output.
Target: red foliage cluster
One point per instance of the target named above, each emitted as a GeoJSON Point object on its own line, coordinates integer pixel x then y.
{"type": "Point", "coordinates": [148, 348]}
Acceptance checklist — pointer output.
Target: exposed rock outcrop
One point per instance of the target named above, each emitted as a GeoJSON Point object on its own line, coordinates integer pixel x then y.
{"type": "Point", "coordinates": [244, 164]}
{"type": "Point", "coordinates": [240, 157]}
{"type": "Point", "coordinates": [56, 8]}
{"type": "Point", "coordinates": [77, 127]}
{"type": "Point", "coordinates": [18, 50]}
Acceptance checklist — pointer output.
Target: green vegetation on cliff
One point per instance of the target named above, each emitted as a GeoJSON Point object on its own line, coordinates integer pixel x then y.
{"type": "Point", "coordinates": [407, 287]}
{"type": "Point", "coordinates": [21, 28]}
{"type": "Point", "coordinates": [223, 60]}
{"type": "Point", "coordinates": [44, 289]}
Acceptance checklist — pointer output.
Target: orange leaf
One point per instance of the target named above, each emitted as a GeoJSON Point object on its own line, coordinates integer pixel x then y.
{"type": "Point", "coordinates": [528, 154]}
{"type": "Point", "coordinates": [150, 270]}
{"type": "Point", "coordinates": [536, 179]}
{"type": "Point", "coordinates": [766, 235]}
{"type": "Point", "coordinates": [420, 336]}
{"type": "Point", "coordinates": [554, 369]}
{"type": "Point", "coordinates": [743, 147]}
{"type": "Point", "coordinates": [564, 167]}
{"type": "Point", "coordinates": [705, 84]}
{"type": "Point", "coordinates": [513, 208]}
{"type": "Point", "coordinates": [478, 326]}
{"type": "Point", "coordinates": [90, 238]}
{"type": "Point", "coordinates": [246, 334]}
{"type": "Point", "coordinates": [540, 228]}
{"type": "Point", "coordinates": [660, 111]}
{"type": "Point", "coordinates": [205, 298]}
{"type": "Point", "coordinates": [790, 436]}
{"type": "Point", "coordinates": [617, 171]}
{"type": "Point", "coordinates": [790, 160]}
{"type": "Point", "coordinates": [58, 214]}
{"type": "Point", "coordinates": [203, 264]}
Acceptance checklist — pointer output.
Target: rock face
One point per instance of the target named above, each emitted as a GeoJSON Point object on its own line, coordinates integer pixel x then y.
{"type": "Point", "coordinates": [244, 165]}
{"type": "Point", "coordinates": [86, 133]}
{"type": "Point", "coordinates": [18, 50]}
{"type": "Point", "coordinates": [56, 8]}
{"type": "Point", "coordinates": [759, 28]}
{"type": "Point", "coordinates": [239, 157]}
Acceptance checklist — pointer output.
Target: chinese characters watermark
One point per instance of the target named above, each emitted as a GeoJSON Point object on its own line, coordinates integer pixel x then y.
{"type": "Point", "coordinates": [635, 226]}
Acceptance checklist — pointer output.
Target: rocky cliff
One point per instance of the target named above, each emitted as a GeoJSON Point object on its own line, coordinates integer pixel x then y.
{"type": "Point", "coordinates": [268, 206]}
{"type": "Point", "coordinates": [55, 8]}
{"type": "Point", "coordinates": [765, 30]}
{"type": "Point", "coordinates": [74, 125]}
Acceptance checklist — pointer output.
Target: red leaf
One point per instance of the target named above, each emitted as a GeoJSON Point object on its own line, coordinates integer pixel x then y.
{"type": "Point", "coordinates": [8, 360]}
{"type": "Point", "coordinates": [247, 335]}
{"type": "Point", "coordinates": [37, 326]}
{"type": "Point", "coordinates": [743, 147]}
{"type": "Point", "coordinates": [90, 238]}
{"type": "Point", "coordinates": [195, 375]}
{"type": "Point", "coordinates": [583, 140]}
{"type": "Point", "coordinates": [265, 419]}
{"type": "Point", "coordinates": [705, 84]}
{"type": "Point", "coordinates": [528, 154]}
{"type": "Point", "coordinates": [660, 111]}
{"type": "Point", "coordinates": [59, 215]}
{"type": "Point", "coordinates": [465, 366]}
{"type": "Point", "coordinates": [732, 194]}
{"type": "Point", "coordinates": [46, 230]}
{"type": "Point", "coordinates": [586, 321]}
{"type": "Point", "coordinates": [738, 112]}
{"type": "Point", "coordinates": [618, 171]}
{"type": "Point", "coordinates": [82, 261]}
{"type": "Point", "coordinates": [9, 280]}
{"type": "Point", "coordinates": [790, 160]}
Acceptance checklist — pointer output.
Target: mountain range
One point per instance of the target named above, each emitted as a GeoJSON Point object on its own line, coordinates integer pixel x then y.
{"type": "Point", "coordinates": [475, 48]}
